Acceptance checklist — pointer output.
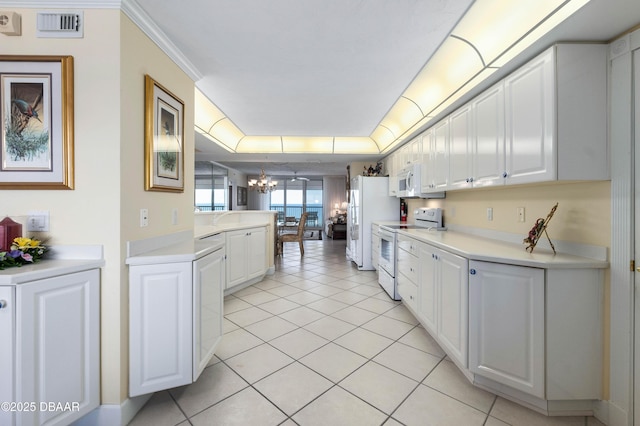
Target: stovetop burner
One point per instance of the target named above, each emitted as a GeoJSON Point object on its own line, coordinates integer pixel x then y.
{"type": "Point", "coordinates": [408, 226]}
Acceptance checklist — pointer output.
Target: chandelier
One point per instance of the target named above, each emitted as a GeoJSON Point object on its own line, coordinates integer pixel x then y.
{"type": "Point", "coordinates": [263, 184]}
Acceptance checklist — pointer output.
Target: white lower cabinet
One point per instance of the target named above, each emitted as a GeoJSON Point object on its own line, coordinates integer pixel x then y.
{"type": "Point", "coordinates": [408, 271]}
{"type": "Point", "coordinates": [443, 300]}
{"type": "Point", "coordinates": [246, 255]}
{"type": "Point", "coordinates": [433, 283]}
{"type": "Point", "coordinates": [375, 246]}
{"type": "Point", "coordinates": [506, 332]}
{"type": "Point", "coordinates": [532, 333]}
{"type": "Point", "coordinates": [452, 311]}
{"type": "Point", "coordinates": [208, 276]}
{"type": "Point", "coordinates": [51, 353]}
{"type": "Point", "coordinates": [537, 331]}
{"type": "Point", "coordinates": [175, 321]}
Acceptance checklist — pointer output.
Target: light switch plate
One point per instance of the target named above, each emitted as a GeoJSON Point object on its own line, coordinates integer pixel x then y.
{"type": "Point", "coordinates": [38, 220]}
{"type": "Point", "coordinates": [144, 217]}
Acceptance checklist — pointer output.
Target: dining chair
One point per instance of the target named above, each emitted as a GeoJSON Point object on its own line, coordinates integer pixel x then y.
{"type": "Point", "coordinates": [313, 217]}
{"type": "Point", "coordinates": [292, 238]}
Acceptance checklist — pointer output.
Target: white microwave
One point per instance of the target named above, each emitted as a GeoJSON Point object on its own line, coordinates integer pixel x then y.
{"type": "Point", "coordinates": [409, 182]}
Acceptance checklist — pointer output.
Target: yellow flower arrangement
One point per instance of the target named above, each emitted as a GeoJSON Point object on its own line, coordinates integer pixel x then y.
{"type": "Point", "coordinates": [23, 250]}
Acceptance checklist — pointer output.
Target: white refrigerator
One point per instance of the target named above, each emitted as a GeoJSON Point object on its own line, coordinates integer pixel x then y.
{"type": "Point", "coordinates": [369, 202]}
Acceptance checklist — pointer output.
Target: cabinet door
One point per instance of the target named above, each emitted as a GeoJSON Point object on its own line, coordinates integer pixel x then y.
{"type": "Point", "coordinates": [160, 327]}
{"type": "Point", "coordinates": [426, 173]}
{"type": "Point", "coordinates": [415, 151]}
{"type": "Point", "coordinates": [7, 350]}
{"type": "Point", "coordinates": [236, 248]}
{"type": "Point", "coordinates": [375, 246]}
{"type": "Point", "coordinates": [392, 169]}
{"type": "Point", "coordinates": [256, 260]}
{"type": "Point", "coordinates": [57, 346]}
{"type": "Point", "coordinates": [489, 145]}
{"type": "Point", "coordinates": [208, 284]}
{"type": "Point", "coordinates": [452, 307]}
{"type": "Point", "coordinates": [440, 155]}
{"type": "Point", "coordinates": [530, 111]}
{"type": "Point", "coordinates": [460, 155]}
{"type": "Point", "coordinates": [427, 306]}
{"type": "Point", "coordinates": [506, 317]}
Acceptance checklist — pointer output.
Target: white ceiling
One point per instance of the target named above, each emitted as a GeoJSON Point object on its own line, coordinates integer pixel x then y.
{"type": "Point", "coordinates": [319, 67]}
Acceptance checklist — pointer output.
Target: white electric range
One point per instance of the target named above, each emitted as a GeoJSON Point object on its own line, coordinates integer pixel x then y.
{"type": "Point", "coordinates": [424, 218]}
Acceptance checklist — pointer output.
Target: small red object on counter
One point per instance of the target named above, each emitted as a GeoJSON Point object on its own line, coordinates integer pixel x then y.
{"type": "Point", "coordinates": [9, 230]}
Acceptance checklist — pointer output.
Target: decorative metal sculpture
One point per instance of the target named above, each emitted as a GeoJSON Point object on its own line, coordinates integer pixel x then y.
{"type": "Point", "coordinates": [538, 229]}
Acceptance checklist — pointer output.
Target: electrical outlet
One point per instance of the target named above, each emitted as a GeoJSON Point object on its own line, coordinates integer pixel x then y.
{"type": "Point", "coordinates": [520, 213]}
{"type": "Point", "coordinates": [489, 214]}
{"type": "Point", "coordinates": [144, 217]}
{"type": "Point", "coordinates": [174, 216]}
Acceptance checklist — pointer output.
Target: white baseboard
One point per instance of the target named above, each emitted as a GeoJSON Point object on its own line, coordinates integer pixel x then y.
{"type": "Point", "coordinates": [618, 416]}
{"type": "Point", "coordinates": [601, 411]}
{"type": "Point", "coordinates": [112, 414]}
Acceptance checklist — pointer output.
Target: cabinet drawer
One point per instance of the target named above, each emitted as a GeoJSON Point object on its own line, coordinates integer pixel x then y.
{"type": "Point", "coordinates": [409, 265]}
{"type": "Point", "coordinates": [408, 291]}
{"type": "Point", "coordinates": [408, 244]}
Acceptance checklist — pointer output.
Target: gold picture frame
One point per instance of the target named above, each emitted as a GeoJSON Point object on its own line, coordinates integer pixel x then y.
{"type": "Point", "coordinates": [163, 139]}
{"type": "Point", "coordinates": [37, 116]}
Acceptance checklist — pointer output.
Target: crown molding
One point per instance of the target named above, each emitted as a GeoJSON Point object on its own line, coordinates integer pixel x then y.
{"type": "Point", "coordinates": [144, 22]}
{"type": "Point", "coordinates": [133, 12]}
{"type": "Point", "coordinates": [69, 4]}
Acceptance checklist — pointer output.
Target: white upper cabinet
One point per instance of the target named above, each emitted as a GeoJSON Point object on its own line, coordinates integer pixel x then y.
{"type": "Point", "coordinates": [556, 117]}
{"type": "Point", "coordinates": [488, 163]}
{"type": "Point", "coordinates": [440, 155]}
{"type": "Point", "coordinates": [460, 149]}
{"type": "Point", "coordinates": [427, 151]}
{"type": "Point", "coordinates": [546, 121]}
{"type": "Point", "coordinates": [529, 105]}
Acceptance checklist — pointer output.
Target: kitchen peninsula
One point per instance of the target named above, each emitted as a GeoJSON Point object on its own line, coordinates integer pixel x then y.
{"type": "Point", "coordinates": [177, 283]}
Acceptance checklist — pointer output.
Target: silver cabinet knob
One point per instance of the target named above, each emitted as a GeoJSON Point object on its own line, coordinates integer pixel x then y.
{"type": "Point", "coordinates": [3, 304]}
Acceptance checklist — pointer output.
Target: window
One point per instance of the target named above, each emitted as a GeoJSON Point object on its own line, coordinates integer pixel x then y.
{"type": "Point", "coordinates": [294, 197]}
{"type": "Point", "coordinates": [210, 187]}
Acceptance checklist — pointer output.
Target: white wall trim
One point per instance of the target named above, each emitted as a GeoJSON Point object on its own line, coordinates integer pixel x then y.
{"type": "Point", "coordinates": [133, 11]}
{"type": "Point", "coordinates": [112, 414]}
{"type": "Point", "coordinates": [142, 20]}
{"type": "Point", "coordinates": [620, 405]}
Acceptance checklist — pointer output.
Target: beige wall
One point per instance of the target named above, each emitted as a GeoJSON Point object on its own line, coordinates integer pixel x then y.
{"type": "Point", "coordinates": [110, 63]}
{"type": "Point", "coordinates": [140, 56]}
{"type": "Point", "coordinates": [583, 214]}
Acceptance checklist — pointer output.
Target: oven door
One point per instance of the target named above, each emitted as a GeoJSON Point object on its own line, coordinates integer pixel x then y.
{"type": "Point", "coordinates": [387, 258]}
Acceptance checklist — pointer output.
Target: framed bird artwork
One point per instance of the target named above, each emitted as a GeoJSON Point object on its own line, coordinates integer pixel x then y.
{"type": "Point", "coordinates": [164, 139]}
{"type": "Point", "coordinates": [36, 114]}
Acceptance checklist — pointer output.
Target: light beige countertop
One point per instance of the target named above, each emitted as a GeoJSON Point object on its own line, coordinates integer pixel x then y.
{"type": "Point", "coordinates": [208, 230]}
{"type": "Point", "coordinates": [61, 260]}
{"type": "Point", "coordinates": [485, 249]}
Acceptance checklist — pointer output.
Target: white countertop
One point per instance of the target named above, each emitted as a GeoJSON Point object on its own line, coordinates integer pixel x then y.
{"type": "Point", "coordinates": [181, 251]}
{"type": "Point", "coordinates": [488, 250]}
{"type": "Point", "coordinates": [61, 260]}
{"type": "Point", "coordinates": [182, 246]}
{"type": "Point", "coordinates": [208, 230]}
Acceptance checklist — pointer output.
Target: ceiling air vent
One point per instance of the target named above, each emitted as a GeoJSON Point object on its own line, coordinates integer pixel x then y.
{"type": "Point", "coordinates": [60, 25]}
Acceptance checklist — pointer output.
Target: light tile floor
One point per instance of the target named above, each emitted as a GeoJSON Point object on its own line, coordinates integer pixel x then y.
{"type": "Point", "coordinates": [319, 343]}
